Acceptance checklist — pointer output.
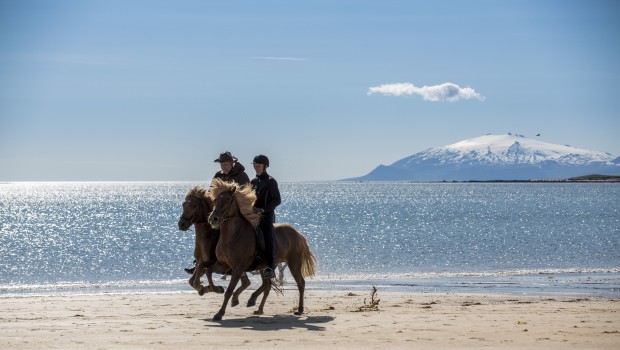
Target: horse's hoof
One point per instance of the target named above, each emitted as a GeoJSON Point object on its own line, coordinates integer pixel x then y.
{"type": "Point", "coordinates": [234, 303]}
{"type": "Point", "coordinates": [217, 318]}
{"type": "Point", "coordinates": [298, 313]}
{"type": "Point", "coordinates": [201, 292]}
{"type": "Point", "coordinates": [216, 289]}
{"type": "Point", "coordinates": [251, 303]}
{"type": "Point", "coordinates": [258, 312]}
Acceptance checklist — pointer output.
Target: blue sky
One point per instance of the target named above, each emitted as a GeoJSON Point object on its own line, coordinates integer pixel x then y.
{"type": "Point", "coordinates": [155, 90]}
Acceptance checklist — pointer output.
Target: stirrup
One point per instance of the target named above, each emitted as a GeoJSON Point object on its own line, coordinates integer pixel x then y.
{"type": "Point", "coordinates": [269, 274]}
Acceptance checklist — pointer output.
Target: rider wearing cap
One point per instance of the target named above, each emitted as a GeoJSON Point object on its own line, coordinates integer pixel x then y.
{"type": "Point", "coordinates": [267, 199]}
{"type": "Point", "coordinates": [231, 170]}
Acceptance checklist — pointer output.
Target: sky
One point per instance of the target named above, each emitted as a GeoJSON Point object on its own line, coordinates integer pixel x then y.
{"type": "Point", "coordinates": [327, 89]}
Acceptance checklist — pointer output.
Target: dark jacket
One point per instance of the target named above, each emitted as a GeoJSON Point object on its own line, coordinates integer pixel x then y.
{"type": "Point", "coordinates": [236, 174]}
{"type": "Point", "coordinates": [267, 192]}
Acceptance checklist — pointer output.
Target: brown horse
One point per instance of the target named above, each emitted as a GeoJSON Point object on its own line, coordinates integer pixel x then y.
{"type": "Point", "coordinates": [234, 214]}
{"type": "Point", "coordinates": [196, 208]}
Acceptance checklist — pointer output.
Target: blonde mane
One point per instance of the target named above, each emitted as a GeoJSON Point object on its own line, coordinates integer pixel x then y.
{"type": "Point", "coordinates": [244, 195]}
{"type": "Point", "coordinates": [196, 191]}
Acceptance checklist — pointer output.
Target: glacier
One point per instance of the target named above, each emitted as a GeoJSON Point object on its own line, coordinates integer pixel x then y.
{"type": "Point", "coordinates": [496, 157]}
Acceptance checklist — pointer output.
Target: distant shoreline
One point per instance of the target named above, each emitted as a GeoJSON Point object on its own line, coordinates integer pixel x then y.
{"type": "Point", "coordinates": [587, 178]}
{"type": "Point", "coordinates": [534, 181]}
{"type": "Point", "coordinates": [595, 178]}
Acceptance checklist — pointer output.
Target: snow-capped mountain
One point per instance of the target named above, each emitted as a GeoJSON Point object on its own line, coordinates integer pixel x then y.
{"type": "Point", "coordinates": [497, 157]}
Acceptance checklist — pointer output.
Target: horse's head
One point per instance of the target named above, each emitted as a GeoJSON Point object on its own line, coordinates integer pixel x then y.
{"type": "Point", "coordinates": [196, 208]}
{"type": "Point", "coordinates": [223, 203]}
{"type": "Point", "coordinates": [230, 199]}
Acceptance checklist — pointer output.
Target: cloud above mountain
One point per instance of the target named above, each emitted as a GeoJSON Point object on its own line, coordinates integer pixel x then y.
{"type": "Point", "coordinates": [446, 92]}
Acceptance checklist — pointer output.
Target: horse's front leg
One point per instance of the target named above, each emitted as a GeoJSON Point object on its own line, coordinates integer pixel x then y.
{"type": "Point", "coordinates": [259, 291]}
{"type": "Point", "coordinates": [212, 287]}
{"type": "Point", "coordinates": [234, 279]}
{"type": "Point", "coordinates": [245, 283]}
{"type": "Point", "coordinates": [265, 288]}
{"type": "Point", "coordinates": [194, 281]}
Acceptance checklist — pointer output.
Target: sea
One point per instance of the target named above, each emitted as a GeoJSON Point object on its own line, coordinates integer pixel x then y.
{"type": "Point", "coordinates": [506, 238]}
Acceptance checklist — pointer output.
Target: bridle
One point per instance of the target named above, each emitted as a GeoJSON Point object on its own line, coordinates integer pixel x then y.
{"type": "Point", "coordinates": [232, 202]}
{"type": "Point", "coordinates": [199, 216]}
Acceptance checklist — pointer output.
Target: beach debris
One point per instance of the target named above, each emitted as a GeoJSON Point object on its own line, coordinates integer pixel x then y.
{"type": "Point", "coordinates": [374, 303]}
{"type": "Point", "coordinates": [428, 305]}
{"type": "Point", "coordinates": [576, 300]}
{"type": "Point", "coordinates": [471, 303]}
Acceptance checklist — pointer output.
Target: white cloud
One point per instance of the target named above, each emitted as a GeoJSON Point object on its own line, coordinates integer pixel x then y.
{"type": "Point", "coordinates": [437, 93]}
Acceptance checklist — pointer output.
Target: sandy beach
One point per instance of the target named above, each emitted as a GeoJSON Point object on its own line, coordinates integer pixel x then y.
{"type": "Point", "coordinates": [334, 320]}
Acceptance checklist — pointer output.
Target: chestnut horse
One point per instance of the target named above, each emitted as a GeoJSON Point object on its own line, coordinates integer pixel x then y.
{"type": "Point", "coordinates": [196, 208]}
{"type": "Point", "coordinates": [234, 214]}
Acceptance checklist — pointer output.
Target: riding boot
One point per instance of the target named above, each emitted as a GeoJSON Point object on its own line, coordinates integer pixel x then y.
{"type": "Point", "coordinates": [191, 270]}
{"type": "Point", "coordinates": [267, 228]}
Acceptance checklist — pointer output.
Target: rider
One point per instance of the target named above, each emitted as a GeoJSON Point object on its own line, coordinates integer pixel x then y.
{"type": "Point", "coordinates": [267, 199]}
{"type": "Point", "coordinates": [231, 171]}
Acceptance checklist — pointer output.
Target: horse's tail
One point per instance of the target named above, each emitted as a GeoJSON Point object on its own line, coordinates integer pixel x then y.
{"type": "Point", "coordinates": [308, 261]}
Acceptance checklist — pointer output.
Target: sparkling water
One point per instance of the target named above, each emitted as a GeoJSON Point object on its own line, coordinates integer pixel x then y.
{"type": "Point", "coordinates": [506, 237]}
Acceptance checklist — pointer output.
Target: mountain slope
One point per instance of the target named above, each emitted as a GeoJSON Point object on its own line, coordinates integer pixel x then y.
{"type": "Point", "coordinates": [496, 157]}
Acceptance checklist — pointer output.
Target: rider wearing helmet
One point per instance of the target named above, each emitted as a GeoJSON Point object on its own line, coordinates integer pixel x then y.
{"type": "Point", "coordinates": [267, 199]}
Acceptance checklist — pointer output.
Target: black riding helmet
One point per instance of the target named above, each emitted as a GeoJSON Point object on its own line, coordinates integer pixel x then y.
{"type": "Point", "coordinates": [261, 159]}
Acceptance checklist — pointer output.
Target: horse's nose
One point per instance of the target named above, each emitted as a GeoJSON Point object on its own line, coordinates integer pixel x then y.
{"type": "Point", "coordinates": [213, 220]}
{"type": "Point", "coordinates": [182, 225]}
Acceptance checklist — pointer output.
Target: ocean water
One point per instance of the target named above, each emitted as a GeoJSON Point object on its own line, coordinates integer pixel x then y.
{"type": "Point", "coordinates": [432, 237]}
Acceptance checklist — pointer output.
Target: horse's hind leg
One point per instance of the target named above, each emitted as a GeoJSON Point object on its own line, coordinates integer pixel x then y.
{"type": "Point", "coordinates": [245, 283]}
{"type": "Point", "coordinates": [301, 286]}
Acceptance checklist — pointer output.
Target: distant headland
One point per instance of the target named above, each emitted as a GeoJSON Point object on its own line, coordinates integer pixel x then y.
{"type": "Point", "coordinates": [494, 158]}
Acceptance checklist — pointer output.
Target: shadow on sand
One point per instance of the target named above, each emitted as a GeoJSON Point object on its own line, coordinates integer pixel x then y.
{"type": "Point", "coordinates": [277, 322]}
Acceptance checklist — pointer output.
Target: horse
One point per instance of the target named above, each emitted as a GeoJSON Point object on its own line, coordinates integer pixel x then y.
{"type": "Point", "coordinates": [233, 213]}
{"type": "Point", "coordinates": [196, 208]}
